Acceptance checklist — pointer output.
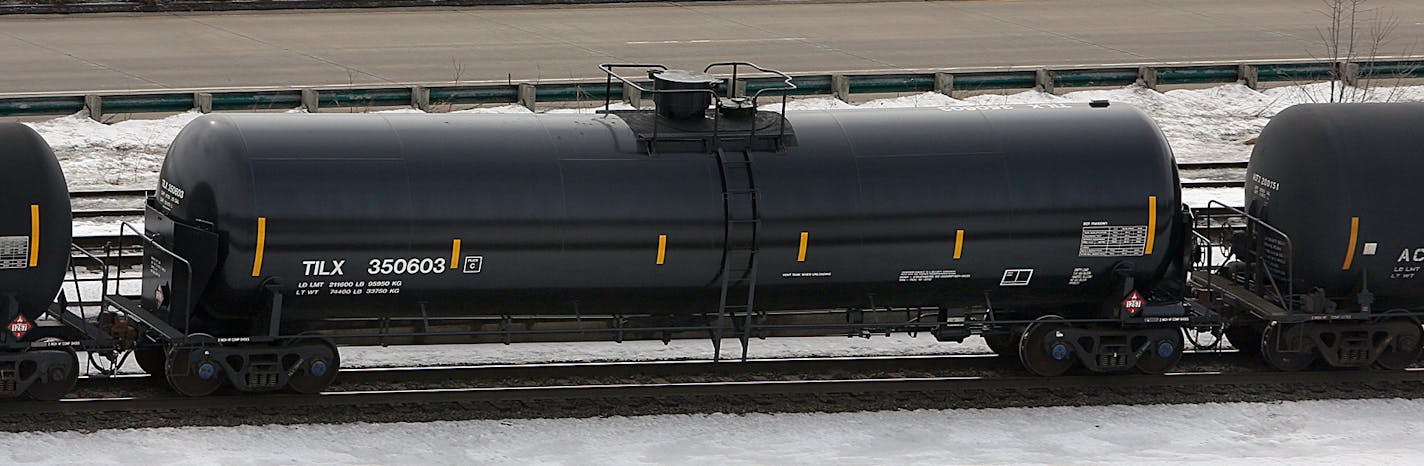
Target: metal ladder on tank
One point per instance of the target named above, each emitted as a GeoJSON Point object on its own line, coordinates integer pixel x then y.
{"type": "Point", "coordinates": [739, 260]}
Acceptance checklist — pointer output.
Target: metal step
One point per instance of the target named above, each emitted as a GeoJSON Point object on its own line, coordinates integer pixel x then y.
{"type": "Point", "coordinates": [147, 319]}
{"type": "Point", "coordinates": [1238, 296]}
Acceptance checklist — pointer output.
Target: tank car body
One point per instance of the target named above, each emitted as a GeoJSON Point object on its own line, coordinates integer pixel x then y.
{"type": "Point", "coordinates": [1333, 250]}
{"type": "Point", "coordinates": [35, 223]}
{"type": "Point", "coordinates": [367, 215]}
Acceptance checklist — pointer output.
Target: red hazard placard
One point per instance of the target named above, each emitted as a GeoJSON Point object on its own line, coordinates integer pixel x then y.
{"type": "Point", "coordinates": [1133, 304]}
{"type": "Point", "coordinates": [20, 326]}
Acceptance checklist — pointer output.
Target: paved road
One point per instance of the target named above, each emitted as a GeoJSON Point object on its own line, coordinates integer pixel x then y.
{"type": "Point", "coordinates": [157, 51]}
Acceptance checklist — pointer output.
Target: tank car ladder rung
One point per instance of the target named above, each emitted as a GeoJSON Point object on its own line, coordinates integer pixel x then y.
{"type": "Point", "coordinates": [739, 196]}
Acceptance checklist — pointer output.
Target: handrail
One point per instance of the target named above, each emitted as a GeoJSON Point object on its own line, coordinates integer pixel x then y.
{"type": "Point", "coordinates": [188, 277]}
{"type": "Point", "coordinates": [786, 79]}
{"type": "Point", "coordinates": [1289, 258]}
{"type": "Point", "coordinates": [426, 95]}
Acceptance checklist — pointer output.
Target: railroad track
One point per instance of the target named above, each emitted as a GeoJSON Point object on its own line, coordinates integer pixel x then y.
{"type": "Point", "coordinates": [855, 384]}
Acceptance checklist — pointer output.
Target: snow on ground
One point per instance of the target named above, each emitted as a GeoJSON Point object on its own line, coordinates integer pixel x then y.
{"type": "Point", "coordinates": [124, 155]}
{"type": "Point", "coordinates": [1313, 432]}
{"type": "Point", "coordinates": [692, 349]}
{"type": "Point", "coordinates": [640, 350]}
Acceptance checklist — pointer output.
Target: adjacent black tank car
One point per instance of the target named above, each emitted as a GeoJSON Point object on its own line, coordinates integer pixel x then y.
{"type": "Point", "coordinates": [35, 228]}
{"type": "Point", "coordinates": [1328, 264]}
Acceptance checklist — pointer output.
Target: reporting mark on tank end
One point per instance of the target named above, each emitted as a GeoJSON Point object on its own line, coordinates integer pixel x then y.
{"type": "Point", "coordinates": [1016, 277]}
{"type": "Point", "coordinates": [473, 264]}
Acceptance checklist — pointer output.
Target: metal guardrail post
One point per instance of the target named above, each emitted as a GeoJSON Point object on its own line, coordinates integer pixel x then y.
{"type": "Point", "coordinates": [739, 88]}
{"type": "Point", "coordinates": [420, 98]}
{"type": "Point", "coordinates": [944, 84]}
{"type": "Point", "coordinates": [203, 102]}
{"type": "Point", "coordinates": [527, 96]}
{"type": "Point", "coordinates": [632, 96]}
{"type": "Point", "coordinates": [1249, 76]}
{"type": "Point", "coordinates": [1350, 73]}
{"type": "Point", "coordinates": [840, 87]}
{"type": "Point", "coordinates": [311, 100]}
{"type": "Point", "coordinates": [94, 107]}
{"type": "Point", "coordinates": [1147, 77]}
{"type": "Point", "coordinates": [1043, 81]}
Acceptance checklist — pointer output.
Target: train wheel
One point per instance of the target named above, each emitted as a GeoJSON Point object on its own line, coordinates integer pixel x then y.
{"type": "Point", "coordinates": [151, 360]}
{"type": "Point", "coordinates": [1245, 338]}
{"type": "Point", "coordinates": [1406, 347]}
{"type": "Point", "coordinates": [1277, 337]}
{"type": "Point", "coordinates": [1162, 352]}
{"type": "Point", "coordinates": [59, 380]}
{"type": "Point", "coordinates": [314, 373]}
{"type": "Point", "coordinates": [1043, 349]}
{"type": "Point", "coordinates": [1004, 344]}
{"type": "Point", "coordinates": [190, 371]}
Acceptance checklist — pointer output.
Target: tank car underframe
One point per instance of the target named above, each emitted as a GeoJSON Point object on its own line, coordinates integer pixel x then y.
{"type": "Point", "coordinates": [1051, 345]}
{"type": "Point", "coordinates": [1264, 313]}
{"type": "Point", "coordinates": [1292, 339]}
{"type": "Point", "coordinates": [262, 355]}
{"type": "Point", "coordinates": [45, 365]}
{"type": "Point", "coordinates": [196, 364]}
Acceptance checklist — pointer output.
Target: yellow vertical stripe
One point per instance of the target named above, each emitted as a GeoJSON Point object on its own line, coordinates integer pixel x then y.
{"type": "Point", "coordinates": [662, 248]}
{"type": "Point", "coordinates": [261, 245]}
{"type": "Point", "coordinates": [1354, 236]}
{"type": "Point", "coordinates": [958, 243]}
{"type": "Point", "coordinates": [1151, 225]}
{"type": "Point", "coordinates": [801, 254]}
{"type": "Point", "coordinates": [34, 235]}
{"type": "Point", "coordinates": [455, 254]}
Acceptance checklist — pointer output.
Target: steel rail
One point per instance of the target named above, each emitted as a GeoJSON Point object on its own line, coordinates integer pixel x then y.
{"type": "Point", "coordinates": [695, 389]}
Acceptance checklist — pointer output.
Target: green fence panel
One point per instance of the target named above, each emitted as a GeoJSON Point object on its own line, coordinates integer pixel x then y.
{"type": "Point", "coordinates": [1384, 70]}
{"type": "Point", "coordinates": [467, 95]}
{"type": "Point", "coordinates": [890, 83]}
{"type": "Point", "coordinates": [992, 80]}
{"type": "Point", "coordinates": [358, 98]}
{"type": "Point", "coordinates": [805, 85]}
{"type": "Point", "coordinates": [1209, 74]}
{"type": "Point", "coordinates": [257, 100]}
{"type": "Point", "coordinates": [35, 106]}
{"type": "Point", "coordinates": [147, 103]}
{"type": "Point", "coordinates": [1102, 77]}
{"type": "Point", "coordinates": [1294, 72]}
{"type": "Point", "coordinates": [576, 92]}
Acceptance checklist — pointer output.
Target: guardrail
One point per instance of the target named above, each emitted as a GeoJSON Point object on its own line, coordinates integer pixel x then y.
{"type": "Point", "coordinates": [432, 98]}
